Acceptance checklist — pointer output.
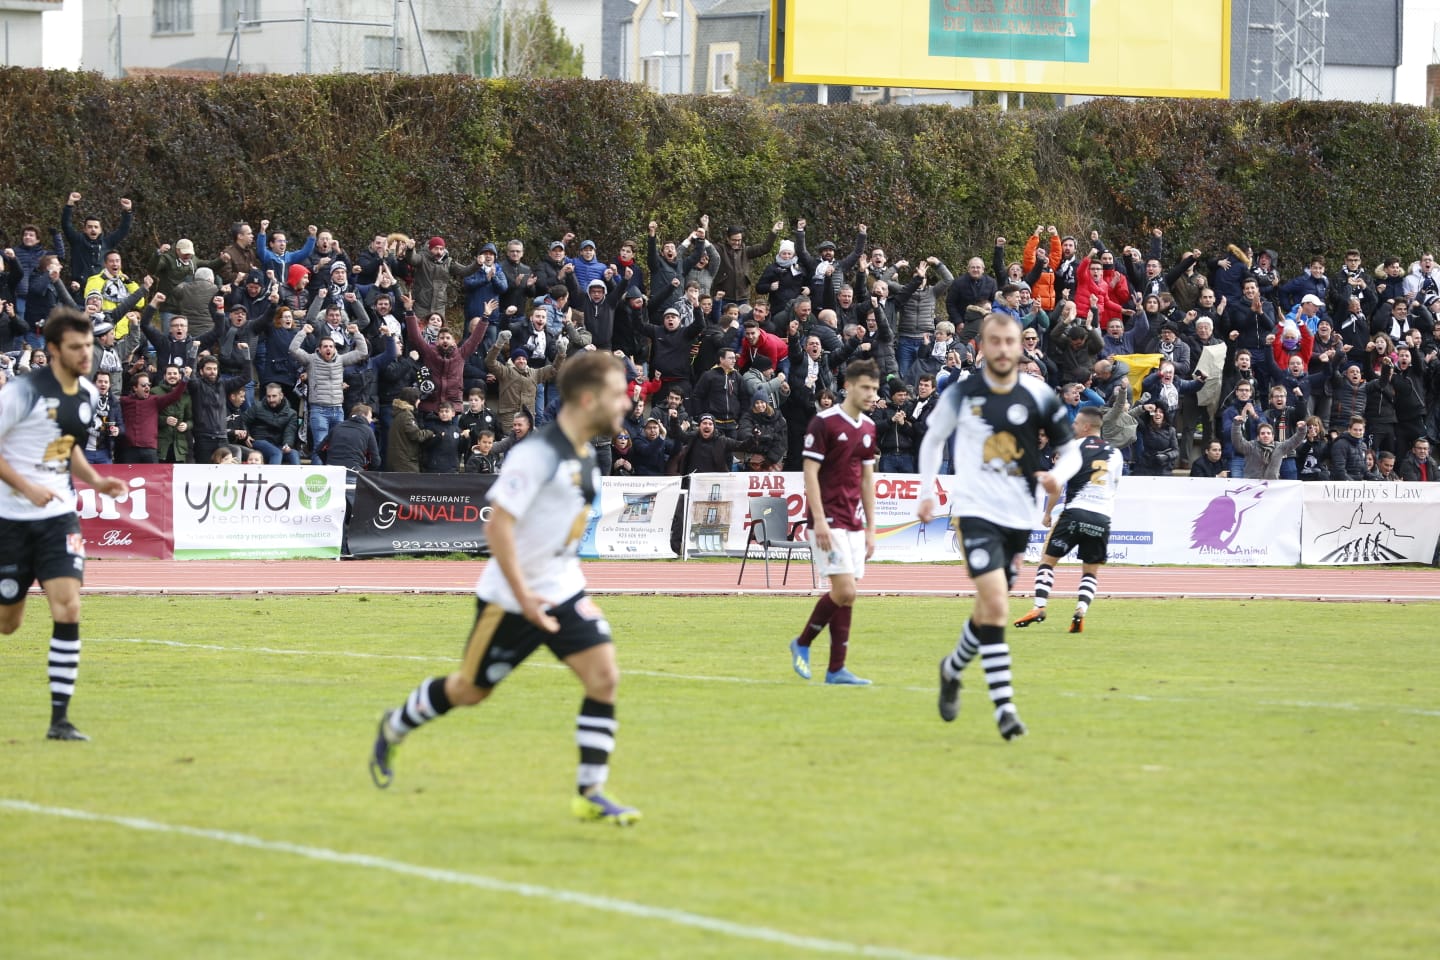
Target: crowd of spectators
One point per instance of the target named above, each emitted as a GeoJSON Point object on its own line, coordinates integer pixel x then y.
{"type": "Point", "coordinates": [1218, 363]}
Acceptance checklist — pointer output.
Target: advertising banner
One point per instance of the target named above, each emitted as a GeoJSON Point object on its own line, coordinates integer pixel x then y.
{"type": "Point", "coordinates": [1048, 46]}
{"type": "Point", "coordinates": [1357, 523]}
{"type": "Point", "coordinates": [135, 525]}
{"type": "Point", "coordinates": [1198, 522]}
{"type": "Point", "coordinates": [633, 519]}
{"type": "Point", "coordinates": [259, 513]}
{"type": "Point", "coordinates": [418, 513]}
{"type": "Point", "coordinates": [717, 522]}
{"type": "Point", "coordinates": [1175, 520]}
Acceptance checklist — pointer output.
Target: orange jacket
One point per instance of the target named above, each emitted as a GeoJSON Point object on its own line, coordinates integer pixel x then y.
{"type": "Point", "coordinates": [1043, 289]}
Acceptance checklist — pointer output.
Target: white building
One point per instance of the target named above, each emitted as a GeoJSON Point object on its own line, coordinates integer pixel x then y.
{"type": "Point", "coordinates": [282, 36]}
{"type": "Point", "coordinates": [584, 26]}
{"type": "Point", "coordinates": [20, 33]}
{"type": "Point", "coordinates": [656, 41]}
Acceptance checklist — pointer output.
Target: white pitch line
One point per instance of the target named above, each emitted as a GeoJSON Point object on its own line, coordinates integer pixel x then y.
{"type": "Point", "coordinates": [1297, 704]}
{"type": "Point", "coordinates": [760, 681]}
{"type": "Point", "coordinates": [351, 654]}
{"type": "Point", "coordinates": [942, 592]}
{"type": "Point", "coordinates": [591, 901]}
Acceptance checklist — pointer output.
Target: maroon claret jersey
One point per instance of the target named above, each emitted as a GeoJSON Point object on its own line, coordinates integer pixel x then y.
{"type": "Point", "coordinates": [842, 446]}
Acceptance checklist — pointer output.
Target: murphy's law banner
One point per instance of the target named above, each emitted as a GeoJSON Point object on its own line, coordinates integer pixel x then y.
{"type": "Point", "coordinates": [418, 513]}
{"type": "Point", "coordinates": [257, 512]}
{"type": "Point", "coordinates": [1362, 523]}
{"type": "Point", "coordinates": [1160, 48]}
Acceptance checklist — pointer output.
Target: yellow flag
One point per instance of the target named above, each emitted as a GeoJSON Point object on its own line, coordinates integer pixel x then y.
{"type": "Point", "coordinates": [1141, 366]}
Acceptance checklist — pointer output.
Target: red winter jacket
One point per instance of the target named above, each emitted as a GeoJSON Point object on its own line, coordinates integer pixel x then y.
{"type": "Point", "coordinates": [768, 344]}
{"type": "Point", "coordinates": [1114, 296]}
{"type": "Point", "coordinates": [447, 372]}
{"type": "Point", "coordinates": [142, 416]}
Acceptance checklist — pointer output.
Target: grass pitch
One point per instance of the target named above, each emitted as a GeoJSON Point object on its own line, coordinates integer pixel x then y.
{"type": "Point", "coordinates": [1201, 779]}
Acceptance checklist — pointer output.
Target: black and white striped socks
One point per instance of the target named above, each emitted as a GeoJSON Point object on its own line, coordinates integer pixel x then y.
{"type": "Point", "coordinates": [64, 668]}
{"type": "Point", "coordinates": [1044, 581]}
{"type": "Point", "coordinates": [425, 703]}
{"type": "Point", "coordinates": [595, 730]}
{"type": "Point", "coordinates": [1088, 585]}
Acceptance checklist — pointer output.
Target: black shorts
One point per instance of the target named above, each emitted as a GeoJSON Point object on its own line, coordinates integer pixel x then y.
{"type": "Point", "coordinates": [32, 550]}
{"type": "Point", "coordinates": [1081, 530]}
{"type": "Point", "coordinates": [500, 640]}
{"type": "Point", "coordinates": [987, 546]}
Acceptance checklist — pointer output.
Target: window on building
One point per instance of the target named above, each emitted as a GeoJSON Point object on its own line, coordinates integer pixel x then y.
{"type": "Point", "coordinates": [379, 54]}
{"type": "Point", "coordinates": [230, 9]}
{"type": "Point", "coordinates": [669, 8]}
{"type": "Point", "coordinates": [651, 72]}
{"type": "Point", "coordinates": [173, 16]}
{"type": "Point", "coordinates": [722, 70]}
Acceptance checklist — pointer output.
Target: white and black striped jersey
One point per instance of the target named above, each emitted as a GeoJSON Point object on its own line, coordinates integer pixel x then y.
{"type": "Point", "coordinates": [39, 425]}
{"type": "Point", "coordinates": [997, 447]}
{"type": "Point", "coordinates": [548, 488]}
{"type": "Point", "coordinates": [1093, 488]}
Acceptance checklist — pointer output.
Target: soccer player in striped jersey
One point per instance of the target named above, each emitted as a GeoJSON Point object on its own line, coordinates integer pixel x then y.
{"type": "Point", "coordinates": [840, 452]}
{"type": "Point", "coordinates": [532, 591]}
{"type": "Point", "coordinates": [44, 423]}
{"type": "Point", "coordinates": [1084, 523]}
{"type": "Point", "coordinates": [995, 418]}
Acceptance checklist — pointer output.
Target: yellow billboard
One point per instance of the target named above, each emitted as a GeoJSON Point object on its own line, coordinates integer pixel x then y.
{"type": "Point", "coordinates": [1158, 48]}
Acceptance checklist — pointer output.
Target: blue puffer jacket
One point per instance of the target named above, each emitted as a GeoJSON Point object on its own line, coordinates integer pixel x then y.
{"type": "Point", "coordinates": [585, 271]}
{"type": "Point", "coordinates": [481, 287]}
{"type": "Point", "coordinates": [29, 258]}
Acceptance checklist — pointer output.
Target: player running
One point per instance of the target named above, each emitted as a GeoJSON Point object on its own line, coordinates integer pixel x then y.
{"type": "Point", "coordinates": [840, 456]}
{"type": "Point", "coordinates": [995, 418]}
{"type": "Point", "coordinates": [532, 591]}
{"type": "Point", "coordinates": [44, 423]}
{"type": "Point", "coordinates": [1084, 523]}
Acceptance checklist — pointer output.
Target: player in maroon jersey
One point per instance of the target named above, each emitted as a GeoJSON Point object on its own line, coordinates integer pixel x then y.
{"type": "Point", "coordinates": [840, 452]}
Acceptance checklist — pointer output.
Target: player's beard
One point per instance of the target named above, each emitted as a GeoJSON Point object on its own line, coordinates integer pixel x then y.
{"type": "Point", "coordinates": [79, 369]}
{"type": "Point", "coordinates": [1001, 366]}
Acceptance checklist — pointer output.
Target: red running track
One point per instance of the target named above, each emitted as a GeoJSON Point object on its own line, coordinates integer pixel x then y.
{"type": "Point", "coordinates": [718, 577]}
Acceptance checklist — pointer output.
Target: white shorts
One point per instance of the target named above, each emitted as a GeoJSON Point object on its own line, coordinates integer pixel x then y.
{"type": "Point", "coordinates": [846, 555]}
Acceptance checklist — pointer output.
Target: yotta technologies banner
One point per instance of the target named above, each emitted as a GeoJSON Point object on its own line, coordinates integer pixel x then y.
{"type": "Point", "coordinates": [418, 513]}
{"type": "Point", "coordinates": [231, 512]}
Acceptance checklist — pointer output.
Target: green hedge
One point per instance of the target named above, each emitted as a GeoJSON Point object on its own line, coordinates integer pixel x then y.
{"type": "Point", "coordinates": [482, 160]}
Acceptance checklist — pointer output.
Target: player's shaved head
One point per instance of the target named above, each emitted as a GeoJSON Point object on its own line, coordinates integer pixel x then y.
{"type": "Point", "coordinates": [1003, 319]}
{"type": "Point", "coordinates": [1000, 343]}
{"type": "Point", "coordinates": [586, 374]}
{"type": "Point", "coordinates": [1087, 421]}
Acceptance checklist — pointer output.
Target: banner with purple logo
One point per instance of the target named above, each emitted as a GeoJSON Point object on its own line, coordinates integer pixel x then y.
{"type": "Point", "coordinates": [1198, 522]}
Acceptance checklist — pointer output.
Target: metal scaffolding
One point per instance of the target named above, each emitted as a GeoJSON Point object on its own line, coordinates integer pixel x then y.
{"type": "Point", "coordinates": [1285, 49]}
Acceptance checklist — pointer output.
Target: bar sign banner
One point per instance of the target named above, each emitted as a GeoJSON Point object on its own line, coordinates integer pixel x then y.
{"type": "Point", "coordinates": [1053, 30]}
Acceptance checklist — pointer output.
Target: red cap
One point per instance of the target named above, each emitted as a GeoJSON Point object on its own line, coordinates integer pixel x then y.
{"type": "Point", "coordinates": [436, 242]}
